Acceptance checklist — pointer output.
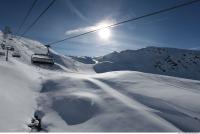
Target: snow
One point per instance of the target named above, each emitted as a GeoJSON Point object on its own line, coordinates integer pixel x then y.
{"type": "Point", "coordinates": [120, 101]}
{"type": "Point", "coordinates": [17, 97]}
{"type": "Point", "coordinates": [70, 97]}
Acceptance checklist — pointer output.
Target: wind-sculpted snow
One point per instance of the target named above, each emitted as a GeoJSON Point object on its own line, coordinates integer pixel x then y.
{"type": "Point", "coordinates": [75, 111]}
{"type": "Point", "coordinates": [111, 97]}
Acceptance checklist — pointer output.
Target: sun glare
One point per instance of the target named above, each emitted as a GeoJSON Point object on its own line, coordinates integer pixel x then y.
{"type": "Point", "coordinates": [104, 33]}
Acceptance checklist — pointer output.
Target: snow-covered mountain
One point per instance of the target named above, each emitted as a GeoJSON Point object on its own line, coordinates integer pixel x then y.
{"type": "Point", "coordinates": [166, 61]}
{"type": "Point", "coordinates": [70, 97]}
{"type": "Point", "coordinates": [84, 59]}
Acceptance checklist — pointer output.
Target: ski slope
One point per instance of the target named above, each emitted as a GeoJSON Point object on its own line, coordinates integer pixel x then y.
{"type": "Point", "coordinates": [71, 97]}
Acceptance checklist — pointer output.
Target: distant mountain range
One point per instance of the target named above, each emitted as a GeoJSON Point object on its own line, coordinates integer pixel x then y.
{"type": "Point", "coordinates": [84, 59]}
{"type": "Point", "coordinates": [165, 61]}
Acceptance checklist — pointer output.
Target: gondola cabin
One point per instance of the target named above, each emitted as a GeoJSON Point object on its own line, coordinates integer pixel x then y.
{"type": "Point", "coordinates": [42, 59]}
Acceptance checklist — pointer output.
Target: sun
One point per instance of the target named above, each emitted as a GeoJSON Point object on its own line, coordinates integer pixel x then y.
{"type": "Point", "coordinates": [104, 33]}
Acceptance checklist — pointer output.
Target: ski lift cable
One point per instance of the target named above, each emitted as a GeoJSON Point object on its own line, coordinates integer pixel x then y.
{"type": "Point", "coordinates": [37, 19]}
{"type": "Point", "coordinates": [128, 20]}
{"type": "Point", "coordinates": [27, 15]}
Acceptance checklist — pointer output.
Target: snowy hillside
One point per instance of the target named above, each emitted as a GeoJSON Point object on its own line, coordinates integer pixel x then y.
{"type": "Point", "coordinates": [27, 48]}
{"type": "Point", "coordinates": [70, 97]}
{"type": "Point", "coordinates": [165, 61]}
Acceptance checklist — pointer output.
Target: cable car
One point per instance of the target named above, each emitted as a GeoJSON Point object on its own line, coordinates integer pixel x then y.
{"type": "Point", "coordinates": [16, 54]}
{"type": "Point", "coordinates": [2, 53]}
{"type": "Point", "coordinates": [42, 59]}
{"type": "Point", "coordinates": [11, 48]}
{"type": "Point", "coordinates": [3, 46]}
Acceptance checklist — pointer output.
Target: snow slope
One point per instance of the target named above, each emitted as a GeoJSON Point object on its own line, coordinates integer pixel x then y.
{"type": "Point", "coordinates": [18, 91]}
{"type": "Point", "coordinates": [71, 97]}
{"type": "Point", "coordinates": [166, 61]}
{"type": "Point", "coordinates": [120, 102]}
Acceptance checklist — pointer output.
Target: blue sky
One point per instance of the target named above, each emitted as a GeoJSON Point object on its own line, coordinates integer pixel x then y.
{"type": "Point", "coordinates": [179, 28]}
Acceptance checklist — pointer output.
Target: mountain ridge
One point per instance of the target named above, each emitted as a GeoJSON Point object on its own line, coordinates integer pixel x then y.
{"type": "Point", "coordinates": [165, 61]}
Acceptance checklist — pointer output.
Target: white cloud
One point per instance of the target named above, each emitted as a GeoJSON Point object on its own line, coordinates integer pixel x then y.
{"type": "Point", "coordinates": [80, 30]}
{"type": "Point", "coordinates": [90, 28]}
